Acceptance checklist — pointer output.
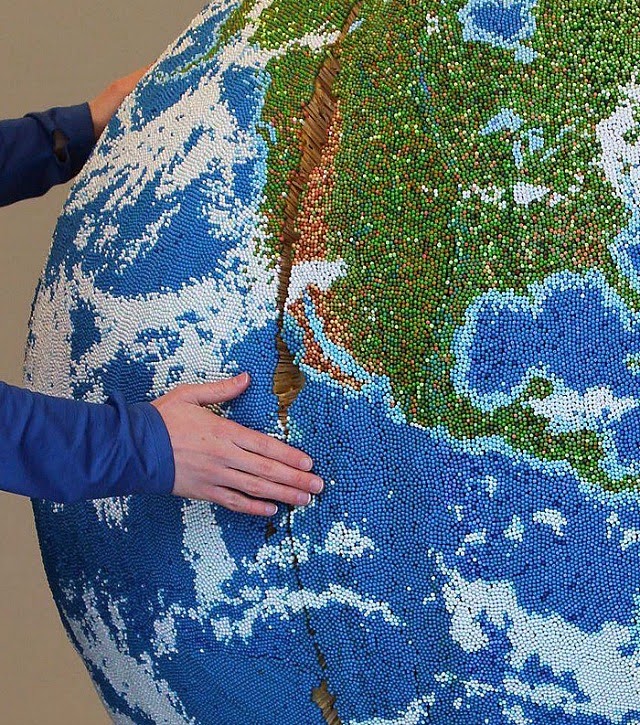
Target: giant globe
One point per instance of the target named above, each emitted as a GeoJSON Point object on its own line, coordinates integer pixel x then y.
{"type": "Point", "coordinates": [416, 225]}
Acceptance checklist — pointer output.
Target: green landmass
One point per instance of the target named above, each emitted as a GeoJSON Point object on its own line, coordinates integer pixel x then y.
{"type": "Point", "coordinates": [292, 77]}
{"type": "Point", "coordinates": [417, 251]}
{"type": "Point", "coordinates": [417, 211]}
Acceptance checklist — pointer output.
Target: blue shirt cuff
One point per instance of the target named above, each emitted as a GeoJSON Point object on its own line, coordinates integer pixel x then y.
{"type": "Point", "coordinates": [43, 149]}
{"type": "Point", "coordinates": [76, 124]}
{"type": "Point", "coordinates": [155, 436]}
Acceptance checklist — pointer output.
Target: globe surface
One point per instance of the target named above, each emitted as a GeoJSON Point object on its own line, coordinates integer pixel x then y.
{"type": "Point", "coordinates": [417, 225]}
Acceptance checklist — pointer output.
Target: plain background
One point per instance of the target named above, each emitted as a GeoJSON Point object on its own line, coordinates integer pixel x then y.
{"type": "Point", "coordinates": [52, 53]}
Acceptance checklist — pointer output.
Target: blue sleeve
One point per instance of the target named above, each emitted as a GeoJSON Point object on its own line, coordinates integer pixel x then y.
{"type": "Point", "coordinates": [42, 150]}
{"type": "Point", "coordinates": [68, 450]}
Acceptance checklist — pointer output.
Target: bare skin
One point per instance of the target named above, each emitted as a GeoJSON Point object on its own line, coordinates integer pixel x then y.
{"type": "Point", "coordinates": [220, 461]}
{"type": "Point", "coordinates": [104, 105]}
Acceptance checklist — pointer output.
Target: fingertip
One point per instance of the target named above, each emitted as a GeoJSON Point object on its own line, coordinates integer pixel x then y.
{"type": "Point", "coordinates": [306, 463]}
{"type": "Point", "coordinates": [242, 379]}
{"type": "Point", "coordinates": [271, 509]}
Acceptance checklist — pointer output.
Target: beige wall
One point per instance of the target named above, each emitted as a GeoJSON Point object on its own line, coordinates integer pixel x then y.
{"type": "Point", "coordinates": [52, 52]}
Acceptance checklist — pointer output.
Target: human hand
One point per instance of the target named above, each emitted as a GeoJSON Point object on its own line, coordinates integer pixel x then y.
{"type": "Point", "coordinates": [107, 103]}
{"type": "Point", "coordinates": [219, 460]}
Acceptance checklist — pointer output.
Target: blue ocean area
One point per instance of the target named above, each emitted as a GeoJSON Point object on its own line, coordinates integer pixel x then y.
{"type": "Point", "coordinates": [190, 242]}
{"type": "Point", "coordinates": [574, 331]}
{"type": "Point", "coordinates": [501, 23]}
{"type": "Point", "coordinates": [418, 495]}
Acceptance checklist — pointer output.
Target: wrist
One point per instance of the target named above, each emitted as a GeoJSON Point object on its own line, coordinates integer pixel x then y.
{"type": "Point", "coordinates": [98, 119]}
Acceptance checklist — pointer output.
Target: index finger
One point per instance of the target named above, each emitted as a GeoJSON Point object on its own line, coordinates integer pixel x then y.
{"type": "Point", "coordinates": [268, 447]}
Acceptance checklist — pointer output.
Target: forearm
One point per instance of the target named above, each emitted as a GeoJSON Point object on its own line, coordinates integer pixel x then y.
{"type": "Point", "coordinates": [66, 450]}
{"type": "Point", "coordinates": [42, 150]}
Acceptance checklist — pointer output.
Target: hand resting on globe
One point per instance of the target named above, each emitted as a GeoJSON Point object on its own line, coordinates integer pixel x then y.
{"type": "Point", "coordinates": [220, 461]}
{"type": "Point", "coordinates": [106, 103]}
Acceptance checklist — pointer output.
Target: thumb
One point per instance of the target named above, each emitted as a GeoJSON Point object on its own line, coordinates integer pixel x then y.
{"type": "Point", "coordinates": [212, 393]}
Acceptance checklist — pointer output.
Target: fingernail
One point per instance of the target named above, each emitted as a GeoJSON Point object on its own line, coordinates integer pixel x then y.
{"type": "Point", "coordinates": [271, 509]}
{"type": "Point", "coordinates": [242, 379]}
{"type": "Point", "coordinates": [317, 484]}
{"type": "Point", "coordinates": [306, 464]}
{"type": "Point", "coordinates": [304, 499]}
